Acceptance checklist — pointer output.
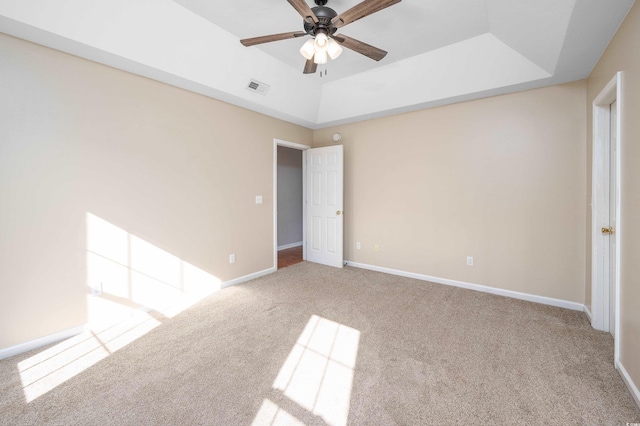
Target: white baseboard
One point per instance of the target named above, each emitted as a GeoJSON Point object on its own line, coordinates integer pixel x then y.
{"type": "Point", "coordinates": [42, 341]}
{"type": "Point", "coordinates": [292, 245]}
{"type": "Point", "coordinates": [249, 277]}
{"type": "Point", "coordinates": [587, 312]}
{"type": "Point", "coordinates": [635, 393]}
{"type": "Point", "coordinates": [477, 287]}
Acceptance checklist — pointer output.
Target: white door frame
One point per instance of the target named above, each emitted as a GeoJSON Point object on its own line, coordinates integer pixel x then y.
{"type": "Point", "coordinates": [303, 148]}
{"type": "Point", "coordinates": [600, 302]}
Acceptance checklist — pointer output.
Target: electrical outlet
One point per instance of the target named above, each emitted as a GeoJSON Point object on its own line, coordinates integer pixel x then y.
{"type": "Point", "coordinates": [376, 248]}
{"type": "Point", "coordinates": [469, 261]}
{"type": "Point", "coordinates": [258, 199]}
{"type": "Point", "coordinates": [358, 246]}
{"type": "Point", "coordinates": [232, 258]}
{"type": "Point", "coordinates": [96, 290]}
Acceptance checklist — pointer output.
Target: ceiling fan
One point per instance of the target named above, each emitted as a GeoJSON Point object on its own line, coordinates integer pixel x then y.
{"type": "Point", "coordinates": [322, 23]}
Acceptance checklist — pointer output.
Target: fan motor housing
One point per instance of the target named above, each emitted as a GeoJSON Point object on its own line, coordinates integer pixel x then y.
{"type": "Point", "coordinates": [324, 15]}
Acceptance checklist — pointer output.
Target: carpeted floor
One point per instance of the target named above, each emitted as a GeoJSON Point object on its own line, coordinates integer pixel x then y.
{"type": "Point", "coordinates": [316, 345]}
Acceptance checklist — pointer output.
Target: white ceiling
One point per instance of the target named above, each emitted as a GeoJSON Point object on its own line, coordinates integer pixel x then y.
{"type": "Point", "coordinates": [440, 51]}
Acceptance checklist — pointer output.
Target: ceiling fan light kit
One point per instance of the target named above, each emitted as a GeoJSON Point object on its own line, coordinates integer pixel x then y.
{"type": "Point", "coordinates": [322, 23]}
{"type": "Point", "coordinates": [318, 51]}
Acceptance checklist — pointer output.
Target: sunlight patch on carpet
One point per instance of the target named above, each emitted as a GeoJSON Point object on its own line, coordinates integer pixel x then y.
{"type": "Point", "coordinates": [272, 415]}
{"type": "Point", "coordinates": [133, 286]}
{"type": "Point", "coordinates": [318, 373]}
{"type": "Point", "coordinates": [50, 368]}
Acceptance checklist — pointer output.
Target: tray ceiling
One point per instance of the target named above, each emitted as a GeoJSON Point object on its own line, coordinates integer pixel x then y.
{"type": "Point", "coordinates": [440, 51]}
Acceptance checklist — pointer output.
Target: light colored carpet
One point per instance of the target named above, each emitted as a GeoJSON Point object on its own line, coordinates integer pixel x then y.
{"type": "Point", "coordinates": [316, 345]}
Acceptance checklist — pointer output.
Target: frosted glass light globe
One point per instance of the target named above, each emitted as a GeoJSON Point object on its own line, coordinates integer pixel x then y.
{"type": "Point", "coordinates": [321, 42]}
{"type": "Point", "coordinates": [308, 50]}
{"type": "Point", "coordinates": [321, 57]}
{"type": "Point", "coordinates": [333, 49]}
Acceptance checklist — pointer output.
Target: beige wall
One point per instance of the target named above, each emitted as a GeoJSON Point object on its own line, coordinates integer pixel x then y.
{"type": "Point", "coordinates": [176, 169]}
{"type": "Point", "coordinates": [500, 179]}
{"type": "Point", "coordinates": [622, 55]}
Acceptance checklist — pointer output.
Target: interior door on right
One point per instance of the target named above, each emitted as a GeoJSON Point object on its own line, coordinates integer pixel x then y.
{"type": "Point", "coordinates": [613, 216]}
{"type": "Point", "coordinates": [325, 171]}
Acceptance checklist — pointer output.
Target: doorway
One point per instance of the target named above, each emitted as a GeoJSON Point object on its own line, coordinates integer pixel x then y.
{"type": "Point", "coordinates": [605, 274]}
{"type": "Point", "coordinates": [289, 207]}
{"type": "Point", "coordinates": [322, 208]}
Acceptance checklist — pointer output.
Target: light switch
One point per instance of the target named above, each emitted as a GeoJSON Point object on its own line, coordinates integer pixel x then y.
{"type": "Point", "coordinates": [258, 199]}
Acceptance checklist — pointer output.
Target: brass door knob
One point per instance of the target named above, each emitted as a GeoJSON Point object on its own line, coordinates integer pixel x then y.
{"type": "Point", "coordinates": [338, 213]}
{"type": "Point", "coordinates": [607, 231]}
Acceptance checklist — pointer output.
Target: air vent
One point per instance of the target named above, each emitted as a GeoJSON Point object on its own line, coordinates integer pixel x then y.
{"type": "Point", "coordinates": [256, 86]}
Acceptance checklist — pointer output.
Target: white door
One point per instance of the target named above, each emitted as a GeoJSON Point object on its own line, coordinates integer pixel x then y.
{"type": "Point", "coordinates": [612, 217]}
{"type": "Point", "coordinates": [324, 205]}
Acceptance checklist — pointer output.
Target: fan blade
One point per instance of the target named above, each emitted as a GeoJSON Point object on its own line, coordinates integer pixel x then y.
{"type": "Point", "coordinates": [366, 8]}
{"type": "Point", "coordinates": [273, 37]}
{"type": "Point", "coordinates": [360, 47]}
{"type": "Point", "coordinates": [304, 10]}
{"type": "Point", "coordinates": [310, 67]}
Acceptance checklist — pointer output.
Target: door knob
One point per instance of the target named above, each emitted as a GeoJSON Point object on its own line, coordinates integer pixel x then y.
{"type": "Point", "coordinates": [338, 213]}
{"type": "Point", "coordinates": [608, 230]}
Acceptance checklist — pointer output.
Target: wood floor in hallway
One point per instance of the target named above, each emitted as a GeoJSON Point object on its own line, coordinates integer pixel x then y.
{"type": "Point", "coordinates": [289, 257]}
